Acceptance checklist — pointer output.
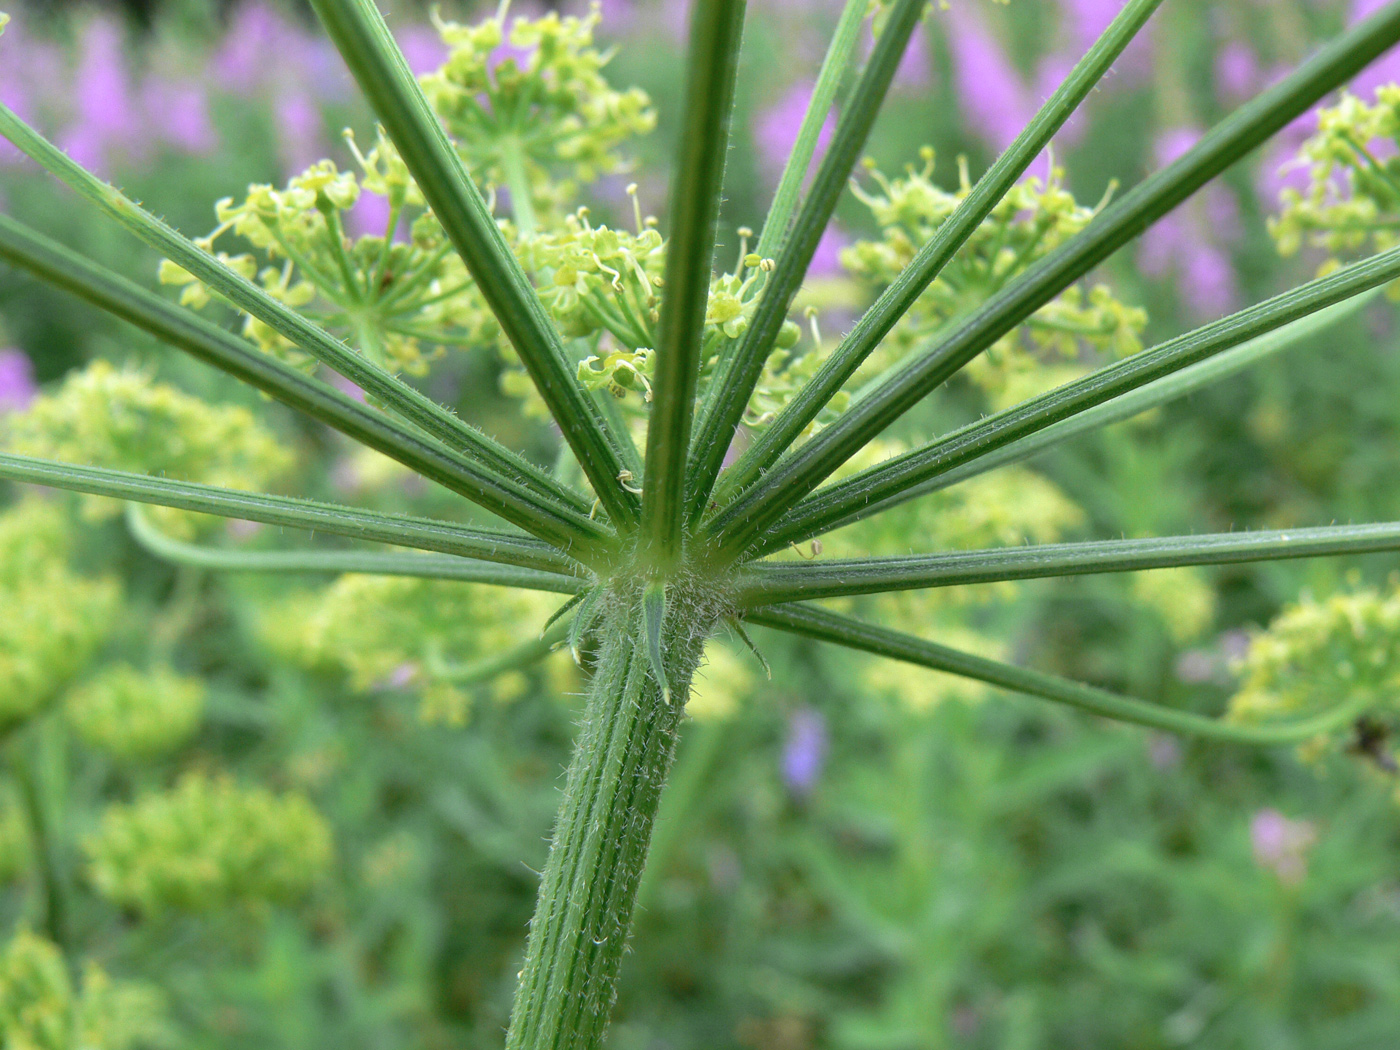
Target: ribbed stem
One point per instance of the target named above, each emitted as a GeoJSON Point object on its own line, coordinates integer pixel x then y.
{"type": "Point", "coordinates": [589, 889]}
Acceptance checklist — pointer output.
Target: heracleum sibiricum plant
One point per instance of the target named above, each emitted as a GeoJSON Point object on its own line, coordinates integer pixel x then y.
{"type": "Point", "coordinates": [658, 525]}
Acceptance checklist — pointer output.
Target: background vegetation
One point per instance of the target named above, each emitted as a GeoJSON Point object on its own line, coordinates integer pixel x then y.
{"type": "Point", "coordinates": [850, 855]}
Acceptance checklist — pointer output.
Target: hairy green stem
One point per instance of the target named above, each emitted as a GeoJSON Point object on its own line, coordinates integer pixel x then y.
{"type": "Point", "coordinates": [766, 584]}
{"type": "Point", "coordinates": [813, 622]}
{"type": "Point", "coordinates": [588, 891]}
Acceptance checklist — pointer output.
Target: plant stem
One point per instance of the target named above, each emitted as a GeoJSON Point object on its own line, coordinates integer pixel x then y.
{"type": "Point", "coordinates": [832, 72]}
{"type": "Point", "coordinates": [34, 790]}
{"type": "Point", "coordinates": [897, 299]}
{"type": "Point", "coordinates": [716, 27]}
{"type": "Point", "coordinates": [1229, 141]}
{"type": "Point", "coordinates": [357, 29]}
{"type": "Point", "coordinates": [601, 838]}
{"type": "Point", "coordinates": [554, 522]}
{"type": "Point", "coordinates": [406, 401]}
{"type": "Point", "coordinates": [373, 563]}
{"type": "Point", "coordinates": [772, 583]}
{"type": "Point", "coordinates": [429, 534]}
{"type": "Point", "coordinates": [739, 370]}
{"type": "Point", "coordinates": [814, 622]}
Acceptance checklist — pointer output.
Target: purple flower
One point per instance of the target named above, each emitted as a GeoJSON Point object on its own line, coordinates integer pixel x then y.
{"type": "Point", "coordinates": [105, 114]}
{"type": "Point", "coordinates": [1187, 243]}
{"type": "Point", "coordinates": [914, 68]}
{"type": "Point", "coordinates": [1281, 845]}
{"type": "Point", "coordinates": [178, 110]}
{"type": "Point", "coordinates": [241, 63]}
{"type": "Point", "coordinates": [370, 216]}
{"type": "Point", "coordinates": [827, 260]}
{"type": "Point", "coordinates": [16, 381]}
{"type": "Point", "coordinates": [804, 753]}
{"type": "Point", "coordinates": [1163, 751]}
{"type": "Point", "coordinates": [344, 385]}
{"type": "Point", "coordinates": [1237, 74]}
{"type": "Point", "coordinates": [300, 130]}
{"type": "Point", "coordinates": [775, 131]}
{"type": "Point", "coordinates": [1281, 167]}
{"type": "Point", "coordinates": [1385, 69]}
{"type": "Point", "coordinates": [993, 95]}
{"type": "Point", "coordinates": [422, 47]}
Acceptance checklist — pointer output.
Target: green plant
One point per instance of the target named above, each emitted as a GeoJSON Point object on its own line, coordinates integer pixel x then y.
{"type": "Point", "coordinates": [669, 546]}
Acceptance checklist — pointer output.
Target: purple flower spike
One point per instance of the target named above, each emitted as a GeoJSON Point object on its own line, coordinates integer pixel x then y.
{"type": "Point", "coordinates": [776, 129]}
{"type": "Point", "coordinates": [993, 95]}
{"type": "Point", "coordinates": [1281, 845]}
{"type": "Point", "coordinates": [241, 62]}
{"type": "Point", "coordinates": [16, 381]}
{"type": "Point", "coordinates": [300, 131]}
{"type": "Point", "coordinates": [804, 754]}
{"type": "Point", "coordinates": [422, 48]}
{"type": "Point", "coordinates": [827, 260]}
{"type": "Point", "coordinates": [179, 112]}
{"type": "Point", "coordinates": [1189, 244]}
{"type": "Point", "coordinates": [1237, 74]}
{"type": "Point", "coordinates": [105, 113]}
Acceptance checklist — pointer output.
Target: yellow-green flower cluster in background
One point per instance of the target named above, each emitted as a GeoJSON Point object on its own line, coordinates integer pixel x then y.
{"type": "Point", "coordinates": [402, 296]}
{"type": "Point", "coordinates": [604, 285]}
{"type": "Point", "coordinates": [1352, 203]}
{"type": "Point", "coordinates": [1034, 218]}
{"type": "Point", "coordinates": [398, 631]}
{"type": "Point", "coordinates": [133, 715]}
{"type": "Point", "coordinates": [530, 108]}
{"type": "Point", "coordinates": [207, 844]}
{"type": "Point", "coordinates": [121, 418]}
{"type": "Point", "coordinates": [1318, 653]}
{"type": "Point", "coordinates": [43, 1008]}
{"type": "Point", "coordinates": [52, 620]}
